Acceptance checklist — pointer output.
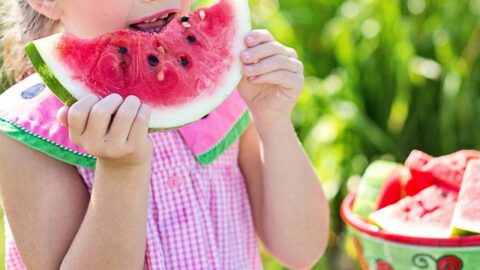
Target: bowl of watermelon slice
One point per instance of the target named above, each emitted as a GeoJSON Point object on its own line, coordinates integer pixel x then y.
{"type": "Point", "coordinates": [423, 214]}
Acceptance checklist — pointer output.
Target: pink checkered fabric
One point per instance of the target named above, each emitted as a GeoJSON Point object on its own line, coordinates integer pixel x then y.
{"type": "Point", "coordinates": [199, 217]}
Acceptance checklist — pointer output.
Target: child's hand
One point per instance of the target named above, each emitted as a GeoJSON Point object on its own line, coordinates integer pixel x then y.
{"type": "Point", "coordinates": [273, 78]}
{"type": "Point", "coordinates": [112, 129]}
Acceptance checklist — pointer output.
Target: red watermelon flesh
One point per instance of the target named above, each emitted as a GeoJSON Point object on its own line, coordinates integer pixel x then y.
{"type": "Point", "coordinates": [420, 179]}
{"type": "Point", "coordinates": [466, 219]}
{"type": "Point", "coordinates": [183, 69]}
{"type": "Point", "coordinates": [107, 70]}
{"type": "Point", "coordinates": [393, 189]}
{"type": "Point", "coordinates": [427, 214]}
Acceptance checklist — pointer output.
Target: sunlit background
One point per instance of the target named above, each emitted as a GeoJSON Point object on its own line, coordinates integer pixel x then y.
{"type": "Point", "coordinates": [382, 77]}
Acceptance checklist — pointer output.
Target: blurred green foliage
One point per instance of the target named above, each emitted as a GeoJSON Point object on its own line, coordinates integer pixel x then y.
{"type": "Point", "coordinates": [382, 78]}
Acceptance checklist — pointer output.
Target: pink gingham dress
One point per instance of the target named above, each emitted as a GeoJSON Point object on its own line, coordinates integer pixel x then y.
{"type": "Point", "coordinates": [199, 216]}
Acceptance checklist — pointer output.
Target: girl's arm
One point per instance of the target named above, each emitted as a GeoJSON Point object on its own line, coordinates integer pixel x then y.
{"type": "Point", "coordinates": [44, 200]}
{"type": "Point", "coordinates": [290, 210]}
{"type": "Point", "coordinates": [113, 231]}
{"type": "Point", "coordinates": [53, 223]}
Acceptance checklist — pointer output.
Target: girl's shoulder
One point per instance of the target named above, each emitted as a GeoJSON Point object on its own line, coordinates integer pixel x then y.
{"type": "Point", "coordinates": [26, 89]}
{"type": "Point", "coordinates": [28, 114]}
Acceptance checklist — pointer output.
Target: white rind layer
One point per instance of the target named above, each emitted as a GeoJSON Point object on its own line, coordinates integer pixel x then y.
{"type": "Point", "coordinates": [171, 117]}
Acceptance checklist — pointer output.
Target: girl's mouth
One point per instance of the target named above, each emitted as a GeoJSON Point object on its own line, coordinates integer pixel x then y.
{"type": "Point", "coordinates": [154, 23]}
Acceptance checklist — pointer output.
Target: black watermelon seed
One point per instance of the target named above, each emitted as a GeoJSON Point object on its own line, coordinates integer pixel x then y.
{"type": "Point", "coordinates": [184, 61]}
{"type": "Point", "coordinates": [191, 39]}
{"type": "Point", "coordinates": [184, 19]}
{"type": "Point", "coordinates": [206, 116]}
{"type": "Point", "coordinates": [122, 50]}
{"type": "Point", "coordinates": [153, 60]}
{"type": "Point", "coordinates": [33, 91]}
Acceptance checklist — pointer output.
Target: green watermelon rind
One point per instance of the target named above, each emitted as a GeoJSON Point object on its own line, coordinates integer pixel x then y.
{"type": "Point", "coordinates": [456, 231]}
{"type": "Point", "coordinates": [370, 186]}
{"type": "Point", "coordinates": [47, 76]}
{"type": "Point", "coordinates": [462, 227]}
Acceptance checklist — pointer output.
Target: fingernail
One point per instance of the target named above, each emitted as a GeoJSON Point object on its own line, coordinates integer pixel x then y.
{"type": "Point", "coordinates": [146, 107]}
{"type": "Point", "coordinates": [249, 69]}
{"type": "Point", "coordinates": [250, 39]}
{"type": "Point", "coordinates": [61, 117]}
{"type": "Point", "coordinates": [247, 55]}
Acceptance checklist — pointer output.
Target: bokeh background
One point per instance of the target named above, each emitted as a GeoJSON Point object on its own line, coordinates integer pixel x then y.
{"type": "Point", "coordinates": [382, 78]}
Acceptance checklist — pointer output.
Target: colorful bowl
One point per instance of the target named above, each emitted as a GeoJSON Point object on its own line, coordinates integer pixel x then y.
{"type": "Point", "coordinates": [380, 250]}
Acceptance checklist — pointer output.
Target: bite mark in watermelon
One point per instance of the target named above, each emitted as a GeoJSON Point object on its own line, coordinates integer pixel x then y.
{"type": "Point", "coordinates": [182, 72]}
{"type": "Point", "coordinates": [466, 218]}
{"type": "Point", "coordinates": [427, 214]}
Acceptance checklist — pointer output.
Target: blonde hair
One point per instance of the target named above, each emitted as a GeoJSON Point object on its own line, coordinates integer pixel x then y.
{"type": "Point", "coordinates": [21, 25]}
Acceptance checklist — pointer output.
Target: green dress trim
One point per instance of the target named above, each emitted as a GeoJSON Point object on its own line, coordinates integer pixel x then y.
{"type": "Point", "coordinates": [46, 146]}
{"type": "Point", "coordinates": [235, 132]}
{"type": "Point", "coordinates": [76, 158]}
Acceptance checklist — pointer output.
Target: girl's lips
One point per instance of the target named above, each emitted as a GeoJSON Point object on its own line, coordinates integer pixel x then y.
{"type": "Point", "coordinates": [154, 23]}
{"type": "Point", "coordinates": [155, 16]}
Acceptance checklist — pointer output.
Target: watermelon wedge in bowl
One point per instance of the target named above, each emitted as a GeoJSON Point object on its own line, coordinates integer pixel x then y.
{"type": "Point", "coordinates": [182, 66]}
{"type": "Point", "coordinates": [431, 221]}
{"type": "Point", "coordinates": [467, 215]}
{"type": "Point", "coordinates": [426, 214]}
{"type": "Point", "coordinates": [375, 247]}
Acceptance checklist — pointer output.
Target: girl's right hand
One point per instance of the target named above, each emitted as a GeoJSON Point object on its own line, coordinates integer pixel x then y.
{"type": "Point", "coordinates": [112, 129]}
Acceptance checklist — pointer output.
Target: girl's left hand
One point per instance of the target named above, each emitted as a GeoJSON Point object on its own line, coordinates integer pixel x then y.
{"type": "Point", "coordinates": [273, 78]}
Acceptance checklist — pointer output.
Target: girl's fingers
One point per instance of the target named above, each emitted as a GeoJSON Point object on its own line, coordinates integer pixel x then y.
{"type": "Point", "coordinates": [101, 115]}
{"type": "Point", "coordinates": [262, 51]}
{"type": "Point", "coordinates": [140, 125]}
{"type": "Point", "coordinates": [258, 36]}
{"type": "Point", "coordinates": [271, 64]}
{"type": "Point", "coordinates": [291, 52]}
{"type": "Point", "coordinates": [123, 120]}
{"type": "Point", "coordinates": [62, 116]}
{"type": "Point", "coordinates": [283, 78]}
{"type": "Point", "coordinates": [78, 116]}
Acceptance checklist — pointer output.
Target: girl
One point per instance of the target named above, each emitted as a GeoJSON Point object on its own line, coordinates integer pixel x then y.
{"type": "Point", "coordinates": [149, 202]}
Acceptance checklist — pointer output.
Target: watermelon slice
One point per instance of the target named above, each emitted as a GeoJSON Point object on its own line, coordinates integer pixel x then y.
{"type": "Point", "coordinates": [466, 218]}
{"type": "Point", "coordinates": [370, 188]}
{"type": "Point", "coordinates": [421, 179]}
{"type": "Point", "coordinates": [427, 214]}
{"type": "Point", "coordinates": [446, 170]}
{"type": "Point", "coordinates": [183, 67]}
